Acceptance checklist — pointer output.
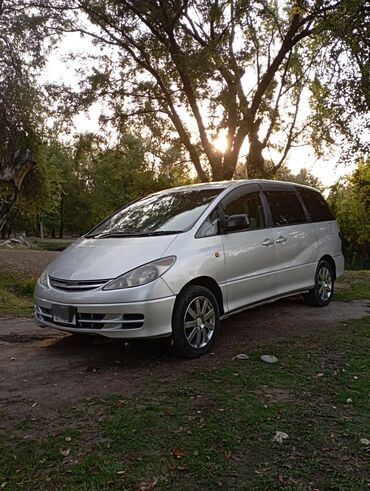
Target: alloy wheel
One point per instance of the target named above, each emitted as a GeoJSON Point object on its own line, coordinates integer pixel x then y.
{"type": "Point", "coordinates": [324, 283]}
{"type": "Point", "coordinates": [199, 322]}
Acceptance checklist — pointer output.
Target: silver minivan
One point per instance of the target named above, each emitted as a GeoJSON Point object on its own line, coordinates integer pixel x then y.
{"type": "Point", "coordinates": [178, 261]}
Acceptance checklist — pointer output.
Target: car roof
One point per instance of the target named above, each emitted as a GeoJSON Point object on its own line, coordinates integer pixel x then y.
{"type": "Point", "coordinates": [231, 184]}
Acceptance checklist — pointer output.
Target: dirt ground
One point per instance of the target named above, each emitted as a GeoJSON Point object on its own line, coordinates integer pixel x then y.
{"type": "Point", "coordinates": [30, 262]}
{"type": "Point", "coordinates": [41, 369]}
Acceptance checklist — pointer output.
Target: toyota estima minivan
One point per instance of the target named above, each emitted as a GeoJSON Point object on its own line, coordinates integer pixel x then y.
{"type": "Point", "coordinates": [178, 261]}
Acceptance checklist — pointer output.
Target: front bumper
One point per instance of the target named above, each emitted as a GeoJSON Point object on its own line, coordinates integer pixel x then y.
{"type": "Point", "coordinates": [133, 320]}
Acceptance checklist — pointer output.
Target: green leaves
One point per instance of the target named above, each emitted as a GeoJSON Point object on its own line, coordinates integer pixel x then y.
{"type": "Point", "coordinates": [350, 200]}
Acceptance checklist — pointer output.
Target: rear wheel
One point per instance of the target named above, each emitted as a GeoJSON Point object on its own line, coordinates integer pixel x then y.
{"type": "Point", "coordinates": [195, 322]}
{"type": "Point", "coordinates": [322, 293]}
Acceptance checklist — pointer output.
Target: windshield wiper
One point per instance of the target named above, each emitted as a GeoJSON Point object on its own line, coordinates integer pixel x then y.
{"type": "Point", "coordinates": [160, 232]}
{"type": "Point", "coordinates": [112, 234]}
{"type": "Point", "coordinates": [116, 233]}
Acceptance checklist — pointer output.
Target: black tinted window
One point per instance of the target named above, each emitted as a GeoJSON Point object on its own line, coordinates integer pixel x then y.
{"type": "Point", "coordinates": [317, 208]}
{"type": "Point", "coordinates": [246, 203]}
{"type": "Point", "coordinates": [285, 207]}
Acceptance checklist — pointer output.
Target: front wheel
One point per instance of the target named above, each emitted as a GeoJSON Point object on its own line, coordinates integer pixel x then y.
{"type": "Point", "coordinates": [322, 293]}
{"type": "Point", "coordinates": [195, 322]}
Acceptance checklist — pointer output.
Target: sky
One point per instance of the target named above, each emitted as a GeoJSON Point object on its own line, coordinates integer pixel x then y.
{"type": "Point", "coordinates": [58, 70]}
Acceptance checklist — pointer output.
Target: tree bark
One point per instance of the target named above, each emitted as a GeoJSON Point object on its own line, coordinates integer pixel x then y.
{"type": "Point", "coordinates": [8, 208]}
{"type": "Point", "coordinates": [255, 160]}
{"type": "Point", "coordinates": [61, 224]}
{"type": "Point", "coordinates": [14, 171]}
{"type": "Point", "coordinates": [17, 167]}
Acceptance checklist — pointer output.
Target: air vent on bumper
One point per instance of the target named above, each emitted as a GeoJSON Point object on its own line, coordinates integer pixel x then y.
{"type": "Point", "coordinates": [100, 321]}
{"type": "Point", "coordinates": [86, 320]}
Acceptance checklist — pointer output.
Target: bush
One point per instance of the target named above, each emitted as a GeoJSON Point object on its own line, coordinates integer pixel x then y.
{"type": "Point", "coordinates": [350, 200]}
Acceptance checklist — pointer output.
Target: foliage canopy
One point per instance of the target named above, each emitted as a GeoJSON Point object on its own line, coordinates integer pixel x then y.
{"type": "Point", "coordinates": [194, 70]}
{"type": "Point", "coordinates": [21, 53]}
{"type": "Point", "coordinates": [350, 199]}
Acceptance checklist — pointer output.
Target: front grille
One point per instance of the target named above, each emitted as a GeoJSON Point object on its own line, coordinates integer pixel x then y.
{"type": "Point", "coordinates": [76, 285]}
{"type": "Point", "coordinates": [86, 320]}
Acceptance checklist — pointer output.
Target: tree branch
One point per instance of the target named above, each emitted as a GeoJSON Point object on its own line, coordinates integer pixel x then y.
{"type": "Point", "coordinates": [291, 135]}
{"type": "Point", "coordinates": [275, 111]}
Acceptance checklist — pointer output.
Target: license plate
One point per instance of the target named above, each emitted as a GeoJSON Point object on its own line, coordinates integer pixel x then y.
{"type": "Point", "coordinates": [64, 314]}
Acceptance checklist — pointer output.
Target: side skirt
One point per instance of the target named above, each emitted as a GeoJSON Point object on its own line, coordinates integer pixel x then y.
{"type": "Point", "coordinates": [264, 302]}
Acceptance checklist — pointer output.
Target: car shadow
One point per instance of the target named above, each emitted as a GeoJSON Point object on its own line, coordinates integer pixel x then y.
{"type": "Point", "coordinates": [102, 353]}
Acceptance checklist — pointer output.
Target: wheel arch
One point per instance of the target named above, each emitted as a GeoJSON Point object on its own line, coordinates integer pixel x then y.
{"type": "Point", "coordinates": [212, 285]}
{"type": "Point", "coordinates": [331, 262]}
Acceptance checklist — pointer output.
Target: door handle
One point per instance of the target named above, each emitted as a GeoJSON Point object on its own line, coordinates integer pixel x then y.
{"type": "Point", "coordinates": [281, 240]}
{"type": "Point", "coordinates": [267, 242]}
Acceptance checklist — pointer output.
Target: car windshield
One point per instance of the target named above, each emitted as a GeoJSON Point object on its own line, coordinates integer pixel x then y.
{"type": "Point", "coordinates": [158, 214]}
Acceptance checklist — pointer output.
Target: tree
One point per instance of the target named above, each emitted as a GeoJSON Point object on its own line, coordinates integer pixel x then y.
{"type": "Point", "coordinates": [81, 183]}
{"type": "Point", "coordinates": [340, 91]}
{"type": "Point", "coordinates": [120, 174]}
{"type": "Point", "coordinates": [20, 107]}
{"type": "Point", "coordinates": [304, 176]}
{"type": "Point", "coordinates": [40, 195]}
{"type": "Point", "coordinates": [350, 200]}
{"type": "Point", "coordinates": [235, 68]}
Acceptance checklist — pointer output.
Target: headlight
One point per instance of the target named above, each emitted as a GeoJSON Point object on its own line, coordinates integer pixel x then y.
{"type": "Point", "coordinates": [44, 280]}
{"type": "Point", "coordinates": [142, 275]}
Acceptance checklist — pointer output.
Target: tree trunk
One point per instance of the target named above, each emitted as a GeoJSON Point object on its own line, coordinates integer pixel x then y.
{"type": "Point", "coordinates": [61, 224]}
{"type": "Point", "coordinates": [229, 165]}
{"type": "Point", "coordinates": [8, 208]}
{"type": "Point", "coordinates": [224, 167]}
{"type": "Point", "coordinates": [14, 171]}
{"type": "Point", "coordinates": [217, 174]}
{"type": "Point", "coordinates": [17, 167]}
{"type": "Point", "coordinates": [255, 161]}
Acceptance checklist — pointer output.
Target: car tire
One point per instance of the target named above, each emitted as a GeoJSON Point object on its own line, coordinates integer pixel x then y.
{"type": "Point", "coordinates": [322, 293]}
{"type": "Point", "coordinates": [195, 322]}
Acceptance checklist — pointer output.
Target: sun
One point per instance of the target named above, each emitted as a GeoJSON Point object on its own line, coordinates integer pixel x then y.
{"type": "Point", "coordinates": [220, 143]}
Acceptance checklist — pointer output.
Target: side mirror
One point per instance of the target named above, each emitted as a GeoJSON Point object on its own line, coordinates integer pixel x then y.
{"type": "Point", "coordinates": [237, 222]}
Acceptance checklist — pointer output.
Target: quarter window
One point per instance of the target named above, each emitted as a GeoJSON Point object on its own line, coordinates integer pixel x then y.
{"type": "Point", "coordinates": [210, 226]}
{"type": "Point", "coordinates": [285, 207]}
{"type": "Point", "coordinates": [318, 209]}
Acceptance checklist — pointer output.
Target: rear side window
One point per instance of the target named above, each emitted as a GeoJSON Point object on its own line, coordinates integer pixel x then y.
{"type": "Point", "coordinates": [317, 208]}
{"type": "Point", "coordinates": [285, 208]}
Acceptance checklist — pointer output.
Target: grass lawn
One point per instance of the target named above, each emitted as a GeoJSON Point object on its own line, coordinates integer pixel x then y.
{"type": "Point", "coordinates": [16, 292]}
{"type": "Point", "coordinates": [50, 245]}
{"type": "Point", "coordinates": [215, 428]}
{"type": "Point", "coordinates": [353, 285]}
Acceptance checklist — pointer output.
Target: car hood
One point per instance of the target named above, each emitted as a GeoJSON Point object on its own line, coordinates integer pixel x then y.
{"type": "Point", "coordinates": [95, 259]}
